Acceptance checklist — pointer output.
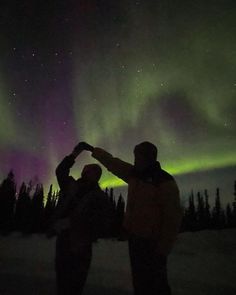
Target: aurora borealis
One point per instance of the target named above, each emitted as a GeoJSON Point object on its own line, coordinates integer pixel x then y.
{"type": "Point", "coordinates": [115, 73]}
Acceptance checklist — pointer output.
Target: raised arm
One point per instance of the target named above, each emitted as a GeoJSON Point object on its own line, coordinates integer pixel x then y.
{"type": "Point", "coordinates": [116, 166]}
{"type": "Point", "coordinates": [63, 169]}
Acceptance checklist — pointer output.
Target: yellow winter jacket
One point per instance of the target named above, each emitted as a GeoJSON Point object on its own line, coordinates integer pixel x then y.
{"type": "Point", "coordinates": [153, 210]}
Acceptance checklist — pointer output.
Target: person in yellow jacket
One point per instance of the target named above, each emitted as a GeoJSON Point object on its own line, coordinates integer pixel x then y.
{"type": "Point", "coordinates": [152, 218]}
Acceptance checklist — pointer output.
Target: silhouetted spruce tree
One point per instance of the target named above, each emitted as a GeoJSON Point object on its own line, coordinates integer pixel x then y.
{"type": "Point", "coordinates": [200, 212]}
{"type": "Point", "coordinates": [223, 219]}
{"type": "Point", "coordinates": [229, 216]}
{"type": "Point", "coordinates": [207, 213]}
{"type": "Point", "coordinates": [49, 208]}
{"type": "Point", "coordinates": [119, 216]}
{"type": "Point", "coordinates": [112, 198]}
{"type": "Point", "coordinates": [55, 198]}
{"type": "Point", "coordinates": [37, 209]}
{"type": "Point", "coordinates": [217, 214]}
{"type": "Point", "coordinates": [23, 210]}
{"type": "Point", "coordinates": [106, 191]}
{"type": "Point", "coordinates": [7, 203]}
{"type": "Point", "coordinates": [191, 216]}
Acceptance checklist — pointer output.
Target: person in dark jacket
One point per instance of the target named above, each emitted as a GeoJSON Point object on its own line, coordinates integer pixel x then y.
{"type": "Point", "coordinates": [73, 222]}
{"type": "Point", "coordinates": [152, 218]}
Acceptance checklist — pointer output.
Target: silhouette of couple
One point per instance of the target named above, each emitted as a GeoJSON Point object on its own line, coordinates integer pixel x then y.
{"type": "Point", "coordinates": [151, 223]}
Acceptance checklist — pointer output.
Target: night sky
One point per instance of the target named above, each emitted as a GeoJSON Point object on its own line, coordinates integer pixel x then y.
{"type": "Point", "coordinates": [115, 73]}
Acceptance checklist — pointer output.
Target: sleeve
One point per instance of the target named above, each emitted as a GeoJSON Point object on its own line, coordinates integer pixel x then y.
{"type": "Point", "coordinates": [66, 198]}
{"type": "Point", "coordinates": [171, 215]}
{"type": "Point", "coordinates": [63, 170]}
{"type": "Point", "coordinates": [116, 166]}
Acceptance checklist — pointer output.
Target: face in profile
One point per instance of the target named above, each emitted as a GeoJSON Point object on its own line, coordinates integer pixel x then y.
{"type": "Point", "coordinates": [91, 173]}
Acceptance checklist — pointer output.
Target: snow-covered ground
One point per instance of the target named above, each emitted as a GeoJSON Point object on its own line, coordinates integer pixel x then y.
{"type": "Point", "coordinates": [202, 263]}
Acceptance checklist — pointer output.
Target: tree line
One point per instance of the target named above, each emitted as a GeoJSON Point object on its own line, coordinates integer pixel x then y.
{"type": "Point", "coordinates": [199, 215]}
{"type": "Point", "coordinates": [30, 210]}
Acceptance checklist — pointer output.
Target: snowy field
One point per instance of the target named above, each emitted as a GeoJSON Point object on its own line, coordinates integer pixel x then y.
{"type": "Point", "coordinates": [202, 263]}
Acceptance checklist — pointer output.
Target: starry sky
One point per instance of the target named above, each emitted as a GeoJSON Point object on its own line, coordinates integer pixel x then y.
{"type": "Point", "coordinates": [115, 73]}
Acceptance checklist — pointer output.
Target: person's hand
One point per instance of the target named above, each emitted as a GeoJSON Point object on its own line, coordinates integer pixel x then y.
{"type": "Point", "coordinates": [86, 146]}
{"type": "Point", "coordinates": [82, 146]}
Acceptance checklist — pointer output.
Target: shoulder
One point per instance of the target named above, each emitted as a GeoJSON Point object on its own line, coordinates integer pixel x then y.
{"type": "Point", "coordinates": [165, 176]}
{"type": "Point", "coordinates": [72, 183]}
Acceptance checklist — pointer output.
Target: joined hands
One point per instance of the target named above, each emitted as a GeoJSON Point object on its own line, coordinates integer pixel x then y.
{"type": "Point", "coordinates": [82, 146]}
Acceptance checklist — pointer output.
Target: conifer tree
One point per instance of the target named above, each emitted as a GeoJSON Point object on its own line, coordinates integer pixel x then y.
{"type": "Point", "coordinates": [200, 212]}
{"type": "Point", "coordinates": [37, 209]}
{"type": "Point", "coordinates": [229, 216]}
{"type": "Point", "coordinates": [7, 203]}
{"type": "Point", "coordinates": [191, 214]}
{"type": "Point", "coordinates": [49, 208]}
{"type": "Point", "coordinates": [120, 209]}
{"type": "Point", "coordinates": [112, 200]}
{"type": "Point", "coordinates": [23, 210]}
{"type": "Point", "coordinates": [217, 214]}
{"type": "Point", "coordinates": [207, 212]}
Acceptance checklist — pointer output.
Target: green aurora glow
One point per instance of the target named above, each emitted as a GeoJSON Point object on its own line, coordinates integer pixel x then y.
{"type": "Point", "coordinates": [163, 71]}
{"type": "Point", "coordinates": [169, 81]}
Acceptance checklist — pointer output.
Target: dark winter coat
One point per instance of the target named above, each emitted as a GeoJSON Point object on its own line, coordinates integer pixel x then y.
{"type": "Point", "coordinates": [78, 202]}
